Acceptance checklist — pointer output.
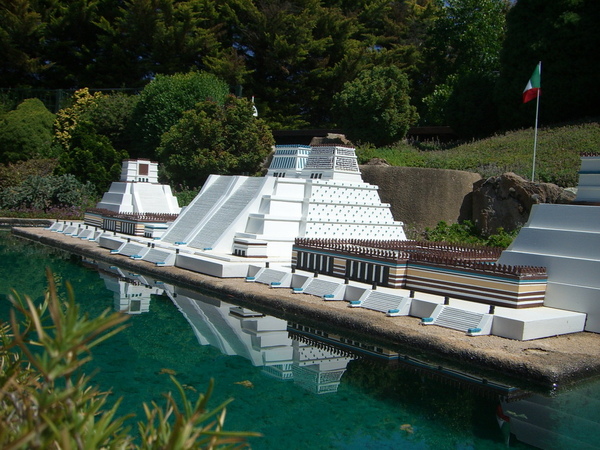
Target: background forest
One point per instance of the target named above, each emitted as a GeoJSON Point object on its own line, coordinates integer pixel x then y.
{"type": "Point", "coordinates": [87, 83]}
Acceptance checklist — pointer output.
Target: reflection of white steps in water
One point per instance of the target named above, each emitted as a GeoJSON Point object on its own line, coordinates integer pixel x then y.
{"type": "Point", "coordinates": [233, 330]}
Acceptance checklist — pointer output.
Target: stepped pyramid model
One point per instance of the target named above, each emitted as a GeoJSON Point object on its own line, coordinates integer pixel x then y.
{"type": "Point", "coordinates": [566, 240]}
{"type": "Point", "coordinates": [308, 192]}
{"type": "Point", "coordinates": [138, 191]}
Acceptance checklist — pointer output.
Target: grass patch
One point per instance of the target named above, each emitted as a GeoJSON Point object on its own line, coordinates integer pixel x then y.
{"type": "Point", "coordinates": [557, 161]}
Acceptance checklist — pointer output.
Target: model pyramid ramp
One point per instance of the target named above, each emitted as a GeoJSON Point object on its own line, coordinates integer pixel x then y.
{"type": "Point", "coordinates": [272, 277]}
{"type": "Point", "coordinates": [160, 257]}
{"type": "Point", "coordinates": [212, 194]}
{"type": "Point", "coordinates": [470, 322]}
{"type": "Point", "coordinates": [329, 290]}
{"type": "Point", "coordinates": [131, 249]}
{"type": "Point", "coordinates": [390, 304]}
{"type": "Point", "coordinates": [227, 214]}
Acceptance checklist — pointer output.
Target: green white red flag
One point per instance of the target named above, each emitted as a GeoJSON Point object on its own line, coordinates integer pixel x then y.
{"type": "Point", "coordinates": [533, 88]}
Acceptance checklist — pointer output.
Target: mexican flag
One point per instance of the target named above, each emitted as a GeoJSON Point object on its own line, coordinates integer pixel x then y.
{"type": "Point", "coordinates": [532, 90]}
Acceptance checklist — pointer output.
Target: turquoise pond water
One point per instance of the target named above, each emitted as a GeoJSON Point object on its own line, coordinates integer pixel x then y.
{"type": "Point", "coordinates": [274, 371]}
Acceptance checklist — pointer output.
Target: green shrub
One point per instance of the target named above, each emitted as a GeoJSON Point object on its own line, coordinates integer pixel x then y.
{"type": "Point", "coordinates": [110, 116]}
{"type": "Point", "coordinates": [185, 195]}
{"type": "Point", "coordinates": [162, 103]}
{"type": "Point", "coordinates": [26, 132]}
{"type": "Point", "coordinates": [375, 107]}
{"type": "Point", "coordinates": [46, 402]}
{"type": "Point", "coordinates": [15, 173]}
{"type": "Point", "coordinates": [215, 139]}
{"type": "Point", "coordinates": [466, 233]}
{"type": "Point", "coordinates": [45, 193]}
{"type": "Point", "coordinates": [91, 158]}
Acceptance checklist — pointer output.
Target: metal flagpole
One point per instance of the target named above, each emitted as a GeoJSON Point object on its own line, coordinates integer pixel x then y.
{"type": "Point", "coordinates": [537, 111]}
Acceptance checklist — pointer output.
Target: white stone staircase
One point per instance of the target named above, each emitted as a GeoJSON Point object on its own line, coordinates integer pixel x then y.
{"type": "Point", "coordinates": [390, 304]}
{"type": "Point", "coordinates": [197, 210]}
{"type": "Point", "coordinates": [272, 277]}
{"type": "Point", "coordinates": [329, 290]}
{"type": "Point", "coordinates": [469, 322]}
{"type": "Point", "coordinates": [211, 231]}
{"type": "Point", "coordinates": [160, 257]}
{"type": "Point", "coordinates": [131, 249]}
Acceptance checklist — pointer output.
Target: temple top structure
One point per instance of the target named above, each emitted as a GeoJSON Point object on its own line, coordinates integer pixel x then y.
{"type": "Point", "coordinates": [317, 162]}
{"type": "Point", "coordinates": [139, 171]}
{"type": "Point", "coordinates": [138, 191]}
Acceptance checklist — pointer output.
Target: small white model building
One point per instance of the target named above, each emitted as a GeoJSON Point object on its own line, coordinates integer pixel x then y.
{"type": "Point", "coordinates": [139, 192]}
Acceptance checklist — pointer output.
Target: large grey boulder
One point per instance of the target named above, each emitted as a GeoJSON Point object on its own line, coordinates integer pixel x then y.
{"type": "Point", "coordinates": [422, 197]}
{"type": "Point", "coordinates": [506, 200]}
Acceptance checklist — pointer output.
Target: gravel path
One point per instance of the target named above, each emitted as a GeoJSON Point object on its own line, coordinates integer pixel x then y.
{"type": "Point", "coordinates": [555, 360]}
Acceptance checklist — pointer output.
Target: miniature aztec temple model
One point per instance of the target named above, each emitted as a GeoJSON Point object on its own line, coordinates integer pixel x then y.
{"type": "Point", "coordinates": [137, 204]}
{"type": "Point", "coordinates": [308, 192]}
{"type": "Point", "coordinates": [313, 226]}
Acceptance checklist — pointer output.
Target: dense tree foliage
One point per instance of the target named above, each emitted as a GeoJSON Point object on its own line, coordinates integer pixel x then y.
{"type": "Point", "coordinates": [111, 116]}
{"type": "Point", "coordinates": [463, 52]}
{"type": "Point", "coordinates": [25, 132]}
{"type": "Point", "coordinates": [563, 35]}
{"type": "Point", "coordinates": [163, 102]}
{"type": "Point", "coordinates": [375, 107]}
{"type": "Point", "coordinates": [91, 157]}
{"type": "Point", "coordinates": [295, 55]}
{"type": "Point", "coordinates": [213, 138]}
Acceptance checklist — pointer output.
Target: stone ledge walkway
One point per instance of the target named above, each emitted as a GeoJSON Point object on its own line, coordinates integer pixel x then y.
{"type": "Point", "coordinates": [557, 360]}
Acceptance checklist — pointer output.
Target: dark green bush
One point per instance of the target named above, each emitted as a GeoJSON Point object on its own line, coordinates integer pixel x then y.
{"type": "Point", "coordinates": [375, 107]}
{"type": "Point", "coordinates": [26, 132]}
{"type": "Point", "coordinates": [16, 173]}
{"type": "Point", "coordinates": [110, 116]}
{"type": "Point", "coordinates": [91, 158]}
{"type": "Point", "coordinates": [466, 233]}
{"type": "Point", "coordinates": [45, 193]}
{"type": "Point", "coordinates": [163, 102]}
{"type": "Point", "coordinates": [212, 138]}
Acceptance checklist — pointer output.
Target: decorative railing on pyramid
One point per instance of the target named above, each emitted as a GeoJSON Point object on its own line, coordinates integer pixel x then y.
{"type": "Point", "coordinates": [127, 223]}
{"type": "Point", "coordinates": [465, 272]}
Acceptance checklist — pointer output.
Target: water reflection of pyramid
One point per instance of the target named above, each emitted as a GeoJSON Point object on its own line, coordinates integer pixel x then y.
{"type": "Point", "coordinates": [234, 330]}
{"type": "Point", "coordinates": [131, 296]}
{"type": "Point", "coordinates": [264, 340]}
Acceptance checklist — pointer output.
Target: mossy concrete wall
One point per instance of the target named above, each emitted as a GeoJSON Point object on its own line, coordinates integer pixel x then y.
{"type": "Point", "coordinates": [422, 197]}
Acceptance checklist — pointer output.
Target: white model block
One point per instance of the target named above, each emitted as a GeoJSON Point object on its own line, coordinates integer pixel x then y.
{"type": "Point", "coordinates": [537, 323]}
{"type": "Point", "coordinates": [564, 217]}
{"type": "Point", "coordinates": [584, 299]}
{"type": "Point", "coordinates": [589, 180]}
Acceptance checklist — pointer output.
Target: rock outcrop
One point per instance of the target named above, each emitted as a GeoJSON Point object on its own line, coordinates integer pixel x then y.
{"type": "Point", "coordinates": [506, 200]}
{"type": "Point", "coordinates": [422, 197]}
